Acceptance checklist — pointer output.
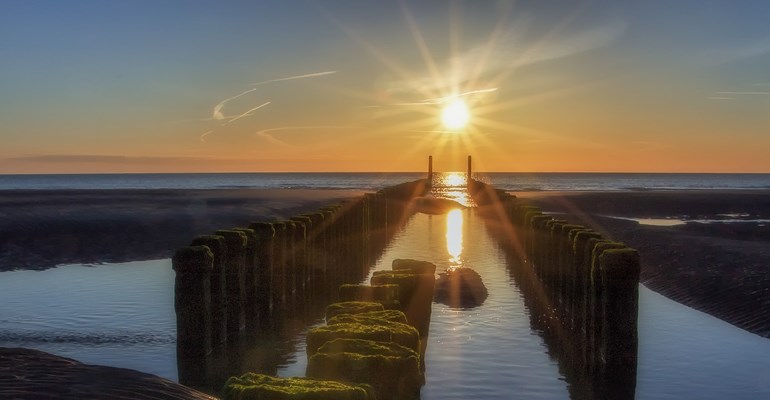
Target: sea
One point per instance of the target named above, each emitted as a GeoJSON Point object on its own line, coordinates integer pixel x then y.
{"type": "Point", "coordinates": [511, 181]}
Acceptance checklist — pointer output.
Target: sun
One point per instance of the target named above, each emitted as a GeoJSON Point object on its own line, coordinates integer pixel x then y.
{"type": "Point", "coordinates": [455, 115]}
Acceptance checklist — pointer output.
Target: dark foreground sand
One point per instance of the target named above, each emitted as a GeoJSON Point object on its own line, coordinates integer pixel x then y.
{"type": "Point", "coordinates": [40, 229]}
{"type": "Point", "coordinates": [32, 374]}
{"type": "Point", "coordinates": [720, 268]}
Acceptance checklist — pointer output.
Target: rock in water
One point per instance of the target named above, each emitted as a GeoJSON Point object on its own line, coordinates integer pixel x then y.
{"type": "Point", "coordinates": [460, 287]}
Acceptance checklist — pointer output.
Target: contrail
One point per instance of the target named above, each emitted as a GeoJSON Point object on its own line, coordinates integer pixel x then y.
{"type": "Point", "coordinates": [291, 78]}
{"type": "Point", "coordinates": [468, 93]}
{"type": "Point", "coordinates": [203, 136]}
{"type": "Point", "coordinates": [247, 113]}
{"type": "Point", "coordinates": [217, 115]}
{"type": "Point", "coordinates": [746, 93]}
{"type": "Point", "coordinates": [218, 108]}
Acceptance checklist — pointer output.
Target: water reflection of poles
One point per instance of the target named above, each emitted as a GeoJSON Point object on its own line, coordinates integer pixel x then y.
{"type": "Point", "coordinates": [581, 290]}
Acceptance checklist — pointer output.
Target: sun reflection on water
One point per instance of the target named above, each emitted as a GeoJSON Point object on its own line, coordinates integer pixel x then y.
{"type": "Point", "coordinates": [454, 236]}
{"type": "Point", "coordinates": [452, 186]}
{"type": "Point", "coordinates": [453, 179]}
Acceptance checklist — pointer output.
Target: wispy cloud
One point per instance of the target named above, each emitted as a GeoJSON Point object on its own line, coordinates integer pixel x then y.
{"type": "Point", "coordinates": [720, 98]}
{"type": "Point", "coordinates": [291, 78]}
{"type": "Point", "coordinates": [203, 136]}
{"type": "Point", "coordinates": [247, 113]}
{"type": "Point", "coordinates": [217, 115]}
{"type": "Point", "coordinates": [511, 51]}
{"type": "Point", "coordinates": [745, 93]}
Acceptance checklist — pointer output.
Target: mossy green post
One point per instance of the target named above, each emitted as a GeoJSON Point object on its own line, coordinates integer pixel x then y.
{"type": "Point", "coordinates": [252, 386]}
{"type": "Point", "coordinates": [415, 294]}
{"type": "Point", "coordinates": [620, 269]}
{"type": "Point", "coordinates": [387, 295]}
{"type": "Point", "coordinates": [583, 272]}
{"type": "Point", "coordinates": [388, 315]}
{"type": "Point", "coordinates": [290, 269]}
{"type": "Point", "coordinates": [391, 369]}
{"type": "Point", "coordinates": [535, 240]}
{"type": "Point", "coordinates": [218, 285]}
{"type": "Point", "coordinates": [327, 253]}
{"type": "Point", "coordinates": [299, 276]}
{"type": "Point", "coordinates": [554, 241]}
{"type": "Point", "coordinates": [376, 330]}
{"type": "Point", "coordinates": [525, 213]}
{"type": "Point", "coordinates": [565, 250]}
{"type": "Point", "coordinates": [192, 300]}
{"type": "Point", "coordinates": [234, 275]}
{"type": "Point", "coordinates": [304, 232]}
{"type": "Point", "coordinates": [265, 235]}
{"type": "Point", "coordinates": [250, 278]}
{"type": "Point", "coordinates": [597, 308]}
{"type": "Point", "coordinates": [279, 268]}
{"type": "Point", "coordinates": [351, 307]}
{"type": "Point", "coordinates": [316, 247]}
{"type": "Point", "coordinates": [563, 265]}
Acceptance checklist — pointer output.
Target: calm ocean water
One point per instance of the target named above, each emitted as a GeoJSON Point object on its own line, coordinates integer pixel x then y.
{"type": "Point", "coordinates": [367, 181]}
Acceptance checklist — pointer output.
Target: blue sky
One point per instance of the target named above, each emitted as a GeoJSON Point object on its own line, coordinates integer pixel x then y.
{"type": "Point", "coordinates": [592, 86]}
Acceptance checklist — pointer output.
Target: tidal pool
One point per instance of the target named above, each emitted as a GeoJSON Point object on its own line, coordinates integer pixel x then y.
{"type": "Point", "coordinates": [122, 315]}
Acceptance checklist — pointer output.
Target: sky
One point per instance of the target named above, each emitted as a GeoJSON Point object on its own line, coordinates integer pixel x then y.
{"type": "Point", "coordinates": [240, 86]}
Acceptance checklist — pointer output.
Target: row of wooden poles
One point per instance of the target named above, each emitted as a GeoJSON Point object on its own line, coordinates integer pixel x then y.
{"type": "Point", "coordinates": [239, 280]}
{"type": "Point", "coordinates": [581, 287]}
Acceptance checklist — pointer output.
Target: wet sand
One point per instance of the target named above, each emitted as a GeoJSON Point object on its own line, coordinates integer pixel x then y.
{"type": "Point", "coordinates": [41, 229]}
{"type": "Point", "coordinates": [719, 268]}
{"type": "Point", "coordinates": [32, 374]}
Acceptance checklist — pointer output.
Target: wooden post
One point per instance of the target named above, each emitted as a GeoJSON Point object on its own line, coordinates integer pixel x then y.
{"type": "Point", "coordinates": [470, 170]}
{"type": "Point", "coordinates": [234, 277]}
{"type": "Point", "coordinates": [250, 283]}
{"type": "Point", "coordinates": [192, 300]}
{"type": "Point", "coordinates": [430, 171]}
{"type": "Point", "coordinates": [265, 234]}
{"type": "Point", "coordinates": [218, 288]}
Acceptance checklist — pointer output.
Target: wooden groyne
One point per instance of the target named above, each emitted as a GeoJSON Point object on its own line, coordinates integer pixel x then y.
{"type": "Point", "coordinates": [581, 290]}
{"type": "Point", "coordinates": [235, 282]}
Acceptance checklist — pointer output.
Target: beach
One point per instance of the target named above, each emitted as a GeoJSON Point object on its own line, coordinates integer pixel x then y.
{"type": "Point", "coordinates": [717, 267]}
{"type": "Point", "coordinates": [41, 229]}
{"type": "Point", "coordinates": [718, 263]}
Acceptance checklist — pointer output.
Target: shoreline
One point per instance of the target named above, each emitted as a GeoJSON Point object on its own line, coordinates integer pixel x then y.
{"type": "Point", "coordinates": [43, 229]}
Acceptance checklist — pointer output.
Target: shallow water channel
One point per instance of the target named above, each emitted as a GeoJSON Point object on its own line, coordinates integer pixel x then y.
{"type": "Point", "coordinates": [122, 315]}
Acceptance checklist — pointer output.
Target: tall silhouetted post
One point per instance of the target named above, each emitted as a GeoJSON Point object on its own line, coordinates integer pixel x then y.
{"type": "Point", "coordinates": [430, 171]}
{"type": "Point", "coordinates": [192, 300]}
{"type": "Point", "coordinates": [470, 170]}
